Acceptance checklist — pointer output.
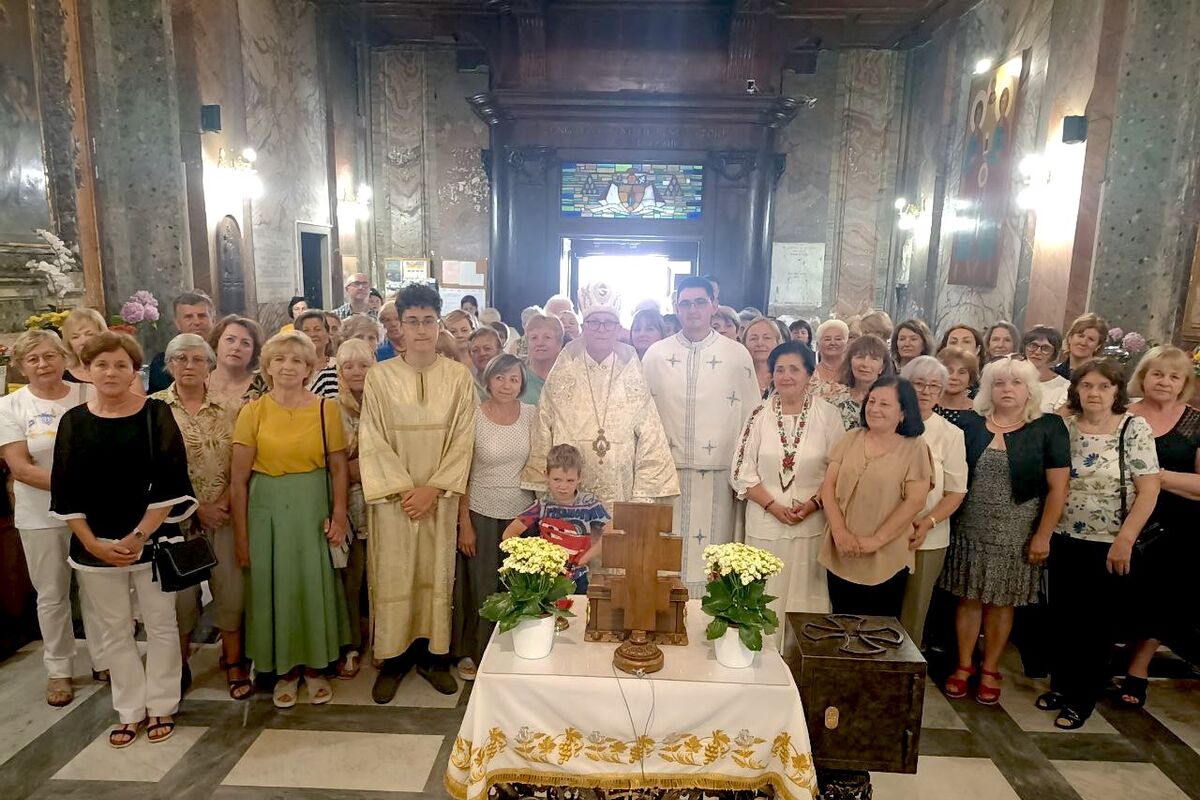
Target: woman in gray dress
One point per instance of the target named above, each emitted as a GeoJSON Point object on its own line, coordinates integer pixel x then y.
{"type": "Point", "coordinates": [1001, 536]}
{"type": "Point", "coordinates": [494, 498]}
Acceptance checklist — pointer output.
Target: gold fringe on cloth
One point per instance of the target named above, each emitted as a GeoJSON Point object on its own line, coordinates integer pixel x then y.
{"type": "Point", "coordinates": [632, 780]}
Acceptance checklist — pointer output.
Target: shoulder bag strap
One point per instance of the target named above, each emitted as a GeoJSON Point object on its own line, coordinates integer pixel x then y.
{"type": "Point", "coordinates": [325, 453]}
{"type": "Point", "coordinates": [1121, 467]}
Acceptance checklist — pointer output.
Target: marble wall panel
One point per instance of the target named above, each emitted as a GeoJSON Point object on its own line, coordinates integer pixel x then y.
{"type": "Point", "coordinates": [1148, 219]}
{"type": "Point", "coordinates": [862, 178]}
{"type": "Point", "coordinates": [285, 123]}
{"type": "Point", "coordinates": [801, 203]}
{"type": "Point", "coordinates": [398, 157]}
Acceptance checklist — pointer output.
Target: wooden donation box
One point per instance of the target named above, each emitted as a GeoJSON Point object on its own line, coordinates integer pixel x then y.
{"type": "Point", "coordinates": [638, 599]}
{"type": "Point", "coordinates": [862, 683]}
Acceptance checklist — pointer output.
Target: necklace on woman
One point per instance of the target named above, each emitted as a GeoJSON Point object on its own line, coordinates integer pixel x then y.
{"type": "Point", "coordinates": [787, 471]}
{"type": "Point", "coordinates": [601, 445]}
{"type": "Point", "coordinates": [1004, 427]}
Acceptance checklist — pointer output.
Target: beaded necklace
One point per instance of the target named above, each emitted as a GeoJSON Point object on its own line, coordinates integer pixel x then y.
{"type": "Point", "coordinates": [787, 471]}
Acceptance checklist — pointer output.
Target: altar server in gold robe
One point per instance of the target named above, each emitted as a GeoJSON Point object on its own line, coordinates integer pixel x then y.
{"type": "Point", "coordinates": [596, 399]}
{"type": "Point", "coordinates": [416, 439]}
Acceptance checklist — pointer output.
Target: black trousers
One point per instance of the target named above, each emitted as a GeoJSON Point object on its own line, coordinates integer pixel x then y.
{"type": "Point", "coordinates": [1087, 603]}
{"type": "Point", "coordinates": [883, 600]}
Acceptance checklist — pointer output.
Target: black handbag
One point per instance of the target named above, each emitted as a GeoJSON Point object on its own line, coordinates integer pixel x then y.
{"type": "Point", "coordinates": [1153, 532]}
{"type": "Point", "coordinates": [181, 564]}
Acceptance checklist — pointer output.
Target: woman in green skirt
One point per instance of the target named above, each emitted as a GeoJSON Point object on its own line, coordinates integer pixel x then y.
{"type": "Point", "coordinates": [288, 494]}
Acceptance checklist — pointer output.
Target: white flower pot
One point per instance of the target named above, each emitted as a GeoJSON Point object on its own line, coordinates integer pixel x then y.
{"type": "Point", "coordinates": [731, 652]}
{"type": "Point", "coordinates": [534, 638]}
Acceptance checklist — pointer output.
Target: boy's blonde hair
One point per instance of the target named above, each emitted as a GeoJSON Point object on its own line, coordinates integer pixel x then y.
{"type": "Point", "coordinates": [564, 457]}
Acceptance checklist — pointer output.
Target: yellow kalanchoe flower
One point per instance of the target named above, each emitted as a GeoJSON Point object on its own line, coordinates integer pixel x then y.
{"type": "Point", "coordinates": [532, 556]}
{"type": "Point", "coordinates": [748, 563]}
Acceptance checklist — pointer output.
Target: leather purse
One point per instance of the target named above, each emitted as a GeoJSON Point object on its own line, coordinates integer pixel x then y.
{"type": "Point", "coordinates": [1153, 532]}
{"type": "Point", "coordinates": [184, 563]}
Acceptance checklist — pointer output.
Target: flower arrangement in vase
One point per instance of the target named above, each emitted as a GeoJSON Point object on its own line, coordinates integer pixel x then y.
{"type": "Point", "coordinates": [47, 321]}
{"type": "Point", "coordinates": [737, 601]}
{"type": "Point", "coordinates": [1123, 346]}
{"type": "Point", "coordinates": [139, 313]}
{"type": "Point", "coordinates": [534, 578]}
{"type": "Point", "coordinates": [55, 269]}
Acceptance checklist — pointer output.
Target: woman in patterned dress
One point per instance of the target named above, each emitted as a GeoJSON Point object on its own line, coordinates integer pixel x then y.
{"type": "Point", "coordinates": [1015, 495]}
{"type": "Point", "coordinates": [962, 367]}
{"type": "Point", "coordinates": [867, 359]}
{"type": "Point", "coordinates": [1165, 379]}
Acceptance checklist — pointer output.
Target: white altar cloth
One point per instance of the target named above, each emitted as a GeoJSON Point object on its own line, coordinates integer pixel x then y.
{"type": "Point", "coordinates": [571, 719]}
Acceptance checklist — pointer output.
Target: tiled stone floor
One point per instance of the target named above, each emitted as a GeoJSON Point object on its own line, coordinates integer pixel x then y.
{"type": "Point", "coordinates": [352, 748]}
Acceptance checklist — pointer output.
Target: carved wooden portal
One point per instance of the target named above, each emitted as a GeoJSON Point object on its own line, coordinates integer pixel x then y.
{"type": "Point", "coordinates": [231, 291]}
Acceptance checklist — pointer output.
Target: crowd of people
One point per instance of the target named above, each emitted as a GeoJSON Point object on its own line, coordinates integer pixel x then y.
{"type": "Point", "coordinates": [355, 472]}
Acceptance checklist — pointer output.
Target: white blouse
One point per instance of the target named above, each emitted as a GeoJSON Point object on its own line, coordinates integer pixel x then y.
{"type": "Point", "coordinates": [758, 459]}
{"type": "Point", "coordinates": [501, 451]}
{"type": "Point", "coordinates": [949, 451]}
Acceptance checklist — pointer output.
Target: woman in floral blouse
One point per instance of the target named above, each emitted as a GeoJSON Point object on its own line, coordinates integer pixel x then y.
{"type": "Point", "coordinates": [1092, 552]}
{"type": "Point", "coordinates": [206, 422]}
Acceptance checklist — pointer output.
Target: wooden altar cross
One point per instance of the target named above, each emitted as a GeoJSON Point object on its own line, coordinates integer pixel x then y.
{"type": "Point", "coordinates": [638, 606]}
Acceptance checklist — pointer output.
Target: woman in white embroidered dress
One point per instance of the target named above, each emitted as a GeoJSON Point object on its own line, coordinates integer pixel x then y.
{"type": "Point", "coordinates": [778, 467]}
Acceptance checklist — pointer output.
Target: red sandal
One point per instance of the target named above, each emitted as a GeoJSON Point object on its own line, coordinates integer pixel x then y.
{"type": "Point", "coordinates": [956, 687]}
{"type": "Point", "coordinates": [989, 695]}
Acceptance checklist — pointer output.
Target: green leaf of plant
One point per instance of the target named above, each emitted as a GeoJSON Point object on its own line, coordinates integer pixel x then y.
{"type": "Point", "coordinates": [716, 628]}
{"type": "Point", "coordinates": [751, 637]}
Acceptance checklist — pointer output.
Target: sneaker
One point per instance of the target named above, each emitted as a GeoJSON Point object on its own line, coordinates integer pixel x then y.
{"type": "Point", "coordinates": [439, 677]}
{"type": "Point", "coordinates": [467, 669]}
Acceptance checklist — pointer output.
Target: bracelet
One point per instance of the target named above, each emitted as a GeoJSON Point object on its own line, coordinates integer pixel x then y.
{"type": "Point", "coordinates": [767, 507]}
{"type": "Point", "coordinates": [816, 501]}
{"type": "Point", "coordinates": [933, 520]}
{"type": "Point", "coordinates": [138, 533]}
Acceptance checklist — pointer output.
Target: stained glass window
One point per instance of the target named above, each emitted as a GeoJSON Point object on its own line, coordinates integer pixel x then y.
{"type": "Point", "coordinates": [630, 191]}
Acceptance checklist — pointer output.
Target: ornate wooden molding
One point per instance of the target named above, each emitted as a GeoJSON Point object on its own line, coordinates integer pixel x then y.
{"type": "Point", "coordinates": [502, 106]}
{"type": "Point", "coordinates": [530, 163]}
{"type": "Point", "coordinates": [733, 166]}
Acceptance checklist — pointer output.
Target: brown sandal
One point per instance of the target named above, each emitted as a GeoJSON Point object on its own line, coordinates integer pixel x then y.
{"type": "Point", "coordinates": [162, 724]}
{"type": "Point", "coordinates": [124, 734]}
{"type": "Point", "coordinates": [239, 688]}
{"type": "Point", "coordinates": [60, 692]}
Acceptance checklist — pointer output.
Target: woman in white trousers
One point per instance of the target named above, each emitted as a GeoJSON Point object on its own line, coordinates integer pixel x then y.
{"type": "Point", "coordinates": [28, 425]}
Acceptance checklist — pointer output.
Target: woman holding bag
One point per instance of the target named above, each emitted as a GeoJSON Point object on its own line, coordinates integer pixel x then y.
{"type": "Point", "coordinates": [288, 495]}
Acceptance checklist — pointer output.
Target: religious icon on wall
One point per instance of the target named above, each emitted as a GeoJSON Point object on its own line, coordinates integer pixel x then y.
{"type": "Point", "coordinates": [627, 191]}
{"type": "Point", "coordinates": [977, 212]}
{"type": "Point", "coordinates": [24, 198]}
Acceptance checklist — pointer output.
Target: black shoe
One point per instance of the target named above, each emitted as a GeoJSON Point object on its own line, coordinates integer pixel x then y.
{"type": "Point", "coordinates": [388, 680]}
{"type": "Point", "coordinates": [185, 680]}
{"type": "Point", "coordinates": [439, 677]}
{"type": "Point", "coordinates": [100, 676]}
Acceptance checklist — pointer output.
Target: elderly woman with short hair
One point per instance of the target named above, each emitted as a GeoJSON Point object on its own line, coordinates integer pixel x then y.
{"type": "Point", "coordinates": [461, 324]}
{"type": "Point", "coordinates": [1040, 345]}
{"type": "Point", "coordinates": [1113, 490]}
{"type": "Point", "coordinates": [237, 342]}
{"type": "Point", "coordinates": [81, 324]}
{"type": "Point", "coordinates": [725, 322]}
{"type": "Point", "coordinates": [393, 332]}
{"type": "Point", "coordinates": [1015, 496]}
{"type": "Point", "coordinates": [1165, 379]}
{"type": "Point", "coordinates": [362, 326]}
{"type": "Point", "coordinates": [760, 337]}
{"type": "Point", "coordinates": [29, 419]}
{"type": "Point", "coordinates": [832, 337]}
{"type": "Point", "coordinates": [494, 498]}
{"type": "Point", "coordinates": [288, 494]}
{"type": "Point", "coordinates": [1000, 340]}
{"type": "Point", "coordinates": [962, 370]}
{"type": "Point", "coordinates": [114, 513]}
{"type": "Point", "coordinates": [206, 422]}
{"type": "Point", "coordinates": [354, 358]}
{"type": "Point", "coordinates": [931, 528]}
{"type": "Point", "coordinates": [866, 360]}
{"type": "Point", "coordinates": [544, 341]}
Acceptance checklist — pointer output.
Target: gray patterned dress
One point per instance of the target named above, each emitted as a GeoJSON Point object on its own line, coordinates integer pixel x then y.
{"type": "Point", "coordinates": [989, 542]}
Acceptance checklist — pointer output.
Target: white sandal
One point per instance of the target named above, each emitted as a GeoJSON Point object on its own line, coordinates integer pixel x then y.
{"type": "Point", "coordinates": [319, 690]}
{"type": "Point", "coordinates": [286, 692]}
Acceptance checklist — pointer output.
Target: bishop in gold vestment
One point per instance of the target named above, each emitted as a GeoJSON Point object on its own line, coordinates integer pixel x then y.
{"type": "Point", "coordinates": [417, 429]}
{"type": "Point", "coordinates": [582, 397]}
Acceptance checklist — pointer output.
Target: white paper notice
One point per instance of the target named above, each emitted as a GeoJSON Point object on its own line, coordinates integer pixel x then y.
{"type": "Point", "coordinates": [462, 273]}
{"type": "Point", "coordinates": [797, 273]}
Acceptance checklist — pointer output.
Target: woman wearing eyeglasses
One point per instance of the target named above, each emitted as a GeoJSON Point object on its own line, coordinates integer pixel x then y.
{"type": "Point", "coordinates": [1040, 345]}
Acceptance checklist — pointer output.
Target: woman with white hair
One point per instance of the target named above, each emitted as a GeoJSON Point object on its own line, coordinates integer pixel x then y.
{"type": "Point", "coordinates": [354, 358]}
{"type": "Point", "coordinates": [206, 421]}
{"type": "Point", "coordinates": [517, 345]}
{"type": "Point", "coordinates": [29, 420]}
{"type": "Point", "coordinates": [544, 340]}
{"type": "Point", "coordinates": [832, 338]}
{"type": "Point", "coordinates": [760, 337]}
{"type": "Point", "coordinates": [931, 528]}
{"type": "Point", "coordinates": [1015, 496]}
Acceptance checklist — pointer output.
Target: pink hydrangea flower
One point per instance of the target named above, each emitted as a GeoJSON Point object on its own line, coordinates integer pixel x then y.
{"type": "Point", "coordinates": [1115, 334]}
{"type": "Point", "coordinates": [150, 313]}
{"type": "Point", "coordinates": [145, 298]}
{"type": "Point", "coordinates": [133, 312]}
{"type": "Point", "coordinates": [1134, 342]}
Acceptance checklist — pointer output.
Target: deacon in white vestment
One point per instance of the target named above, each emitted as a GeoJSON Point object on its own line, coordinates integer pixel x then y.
{"type": "Point", "coordinates": [596, 399]}
{"type": "Point", "coordinates": [704, 387]}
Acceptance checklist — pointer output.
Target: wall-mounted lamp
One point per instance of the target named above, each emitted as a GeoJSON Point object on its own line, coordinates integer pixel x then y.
{"type": "Point", "coordinates": [907, 214]}
{"type": "Point", "coordinates": [983, 65]}
{"type": "Point", "coordinates": [238, 174]}
{"type": "Point", "coordinates": [354, 205]}
{"type": "Point", "coordinates": [1075, 129]}
{"type": "Point", "coordinates": [1035, 178]}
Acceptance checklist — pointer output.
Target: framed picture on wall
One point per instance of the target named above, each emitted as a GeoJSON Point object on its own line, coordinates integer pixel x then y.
{"type": "Point", "coordinates": [985, 179]}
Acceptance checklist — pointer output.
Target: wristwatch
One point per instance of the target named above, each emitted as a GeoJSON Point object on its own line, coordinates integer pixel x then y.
{"type": "Point", "coordinates": [933, 520]}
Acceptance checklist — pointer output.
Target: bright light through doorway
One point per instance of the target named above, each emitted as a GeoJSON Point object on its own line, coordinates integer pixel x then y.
{"type": "Point", "coordinates": [636, 278]}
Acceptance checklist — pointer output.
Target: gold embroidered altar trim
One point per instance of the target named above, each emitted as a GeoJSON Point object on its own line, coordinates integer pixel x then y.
{"type": "Point", "coordinates": [633, 780]}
